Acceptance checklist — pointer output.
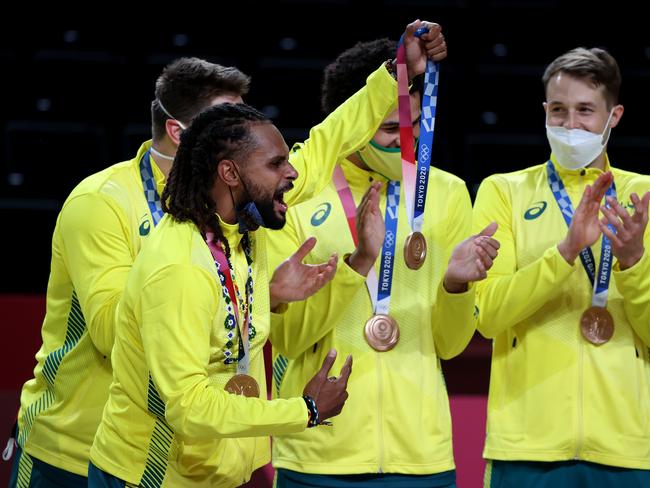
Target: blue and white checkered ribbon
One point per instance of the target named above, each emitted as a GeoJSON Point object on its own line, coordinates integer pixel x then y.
{"type": "Point", "coordinates": [601, 286]}
{"type": "Point", "coordinates": [427, 124]}
{"type": "Point", "coordinates": [380, 294]}
{"type": "Point", "coordinates": [376, 288]}
{"type": "Point", "coordinates": [150, 190]}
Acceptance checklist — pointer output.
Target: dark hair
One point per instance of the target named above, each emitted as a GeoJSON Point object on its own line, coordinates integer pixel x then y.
{"type": "Point", "coordinates": [220, 132]}
{"type": "Point", "coordinates": [595, 65]}
{"type": "Point", "coordinates": [348, 72]}
{"type": "Point", "coordinates": [188, 85]}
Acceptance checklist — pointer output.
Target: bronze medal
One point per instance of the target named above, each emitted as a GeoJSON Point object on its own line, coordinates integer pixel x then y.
{"type": "Point", "coordinates": [382, 332]}
{"type": "Point", "coordinates": [243, 384]}
{"type": "Point", "coordinates": [597, 325]}
{"type": "Point", "coordinates": [415, 250]}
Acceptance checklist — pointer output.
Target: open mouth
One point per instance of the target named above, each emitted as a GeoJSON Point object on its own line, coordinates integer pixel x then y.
{"type": "Point", "coordinates": [278, 202]}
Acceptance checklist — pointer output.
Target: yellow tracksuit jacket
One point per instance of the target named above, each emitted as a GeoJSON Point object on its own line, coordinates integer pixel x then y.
{"type": "Point", "coordinates": [553, 395]}
{"type": "Point", "coordinates": [98, 233]}
{"type": "Point", "coordinates": [396, 419]}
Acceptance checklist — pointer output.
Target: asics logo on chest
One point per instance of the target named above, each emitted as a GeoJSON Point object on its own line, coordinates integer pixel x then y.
{"type": "Point", "coordinates": [145, 227]}
{"type": "Point", "coordinates": [321, 214]}
{"type": "Point", "coordinates": [535, 210]}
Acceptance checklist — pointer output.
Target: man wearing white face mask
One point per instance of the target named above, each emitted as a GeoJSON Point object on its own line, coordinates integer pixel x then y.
{"type": "Point", "coordinates": [568, 301]}
{"type": "Point", "coordinates": [396, 321]}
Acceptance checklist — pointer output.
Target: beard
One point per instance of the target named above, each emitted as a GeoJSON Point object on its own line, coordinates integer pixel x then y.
{"type": "Point", "coordinates": [266, 204]}
{"type": "Point", "coordinates": [272, 219]}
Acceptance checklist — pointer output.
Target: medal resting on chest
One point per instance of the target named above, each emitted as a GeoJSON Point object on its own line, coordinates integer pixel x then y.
{"type": "Point", "coordinates": [596, 323]}
{"type": "Point", "coordinates": [239, 314]}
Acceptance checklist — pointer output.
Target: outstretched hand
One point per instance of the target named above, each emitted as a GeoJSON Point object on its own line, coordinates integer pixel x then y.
{"type": "Point", "coordinates": [294, 280]}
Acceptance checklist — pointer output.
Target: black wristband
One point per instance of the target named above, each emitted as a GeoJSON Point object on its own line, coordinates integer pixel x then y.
{"type": "Point", "coordinates": [313, 411]}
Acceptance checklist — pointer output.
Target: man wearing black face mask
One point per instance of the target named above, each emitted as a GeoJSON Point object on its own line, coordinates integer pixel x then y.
{"type": "Point", "coordinates": [188, 386]}
{"type": "Point", "coordinates": [259, 208]}
{"type": "Point", "coordinates": [100, 229]}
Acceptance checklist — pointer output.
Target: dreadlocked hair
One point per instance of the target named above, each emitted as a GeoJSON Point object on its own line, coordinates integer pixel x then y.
{"type": "Point", "coordinates": [220, 132]}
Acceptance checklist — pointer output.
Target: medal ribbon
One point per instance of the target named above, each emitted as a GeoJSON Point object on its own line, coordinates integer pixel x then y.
{"type": "Point", "coordinates": [150, 190]}
{"type": "Point", "coordinates": [415, 183]}
{"type": "Point", "coordinates": [601, 281]}
{"type": "Point", "coordinates": [223, 264]}
{"type": "Point", "coordinates": [378, 289]}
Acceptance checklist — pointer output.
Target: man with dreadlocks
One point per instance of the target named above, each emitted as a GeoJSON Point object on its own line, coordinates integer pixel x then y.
{"type": "Point", "coordinates": [99, 231]}
{"type": "Point", "coordinates": [195, 311]}
{"type": "Point", "coordinates": [187, 321]}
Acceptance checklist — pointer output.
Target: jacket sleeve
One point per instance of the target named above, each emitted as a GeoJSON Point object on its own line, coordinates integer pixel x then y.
{"type": "Point", "coordinates": [344, 131]}
{"type": "Point", "coordinates": [509, 295]}
{"type": "Point", "coordinates": [178, 306]}
{"type": "Point", "coordinates": [96, 251]}
{"type": "Point", "coordinates": [453, 313]}
{"type": "Point", "coordinates": [634, 285]}
{"type": "Point", "coordinates": [298, 326]}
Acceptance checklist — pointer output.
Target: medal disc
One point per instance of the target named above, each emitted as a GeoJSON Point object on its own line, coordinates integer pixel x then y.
{"type": "Point", "coordinates": [597, 325]}
{"type": "Point", "coordinates": [415, 250]}
{"type": "Point", "coordinates": [382, 332]}
{"type": "Point", "coordinates": [243, 384]}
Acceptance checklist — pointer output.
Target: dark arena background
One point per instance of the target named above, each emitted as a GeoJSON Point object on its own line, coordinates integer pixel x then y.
{"type": "Point", "coordinates": [76, 98]}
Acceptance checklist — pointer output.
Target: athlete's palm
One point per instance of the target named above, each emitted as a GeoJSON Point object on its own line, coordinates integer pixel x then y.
{"type": "Point", "coordinates": [294, 280]}
{"type": "Point", "coordinates": [585, 230]}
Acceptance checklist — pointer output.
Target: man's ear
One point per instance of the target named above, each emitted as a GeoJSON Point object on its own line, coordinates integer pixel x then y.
{"type": "Point", "coordinates": [616, 115]}
{"type": "Point", "coordinates": [227, 172]}
{"type": "Point", "coordinates": [173, 130]}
